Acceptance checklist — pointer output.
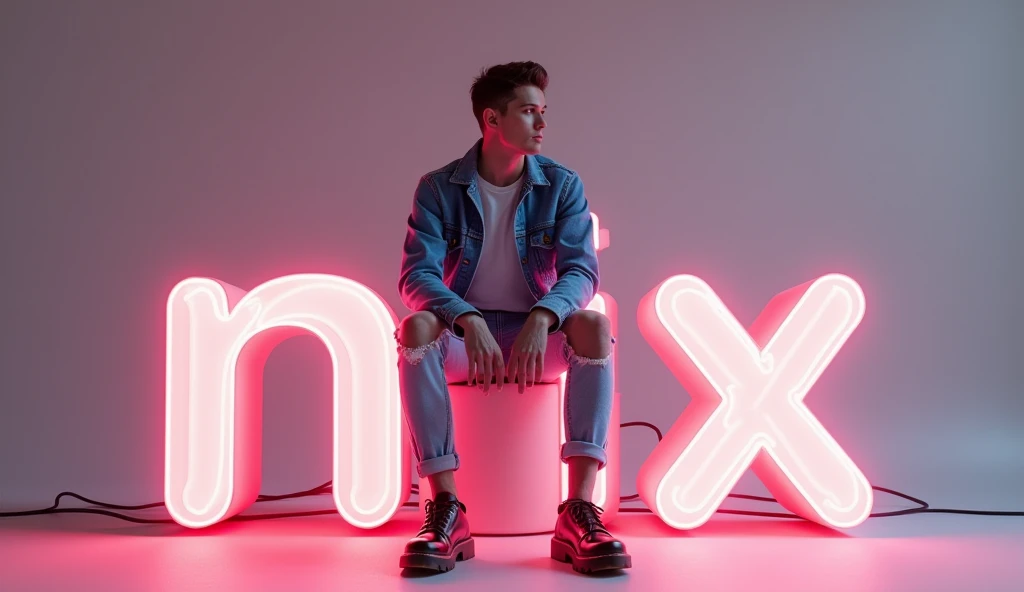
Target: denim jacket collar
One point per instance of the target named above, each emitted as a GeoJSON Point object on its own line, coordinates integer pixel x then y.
{"type": "Point", "coordinates": [465, 173]}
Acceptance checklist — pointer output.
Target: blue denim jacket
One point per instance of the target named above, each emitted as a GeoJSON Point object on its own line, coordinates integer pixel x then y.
{"type": "Point", "coordinates": [553, 229]}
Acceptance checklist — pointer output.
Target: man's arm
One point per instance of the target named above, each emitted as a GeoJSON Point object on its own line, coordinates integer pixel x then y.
{"type": "Point", "coordinates": [575, 256]}
{"type": "Point", "coordinates": [420, 283]}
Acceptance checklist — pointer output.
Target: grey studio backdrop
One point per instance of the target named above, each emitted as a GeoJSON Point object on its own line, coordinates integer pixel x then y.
{"type": "Point", "coordinates": [755, 144]}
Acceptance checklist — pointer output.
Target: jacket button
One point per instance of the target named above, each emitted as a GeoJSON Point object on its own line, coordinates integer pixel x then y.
{"type": "Point", "coordinates": [465, 261]}
{"type": "Point", "coordinates": [525, 260]}
{"type": "Point", "coordinates": [452, 242]}
{"type": "Point", "coordinates": [547, 239]}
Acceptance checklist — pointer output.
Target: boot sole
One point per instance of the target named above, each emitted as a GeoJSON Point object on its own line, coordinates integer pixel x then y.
{"type": "Point", "coordinates": [442, 563]}
{"type": "Point", "coordinates": [564, 552]}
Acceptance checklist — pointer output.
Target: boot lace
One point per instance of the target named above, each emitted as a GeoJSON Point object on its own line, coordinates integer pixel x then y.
{"type": "Point", "coordinates": [438, 516]}
{"type": "Point", "coordinates": [586, 515]}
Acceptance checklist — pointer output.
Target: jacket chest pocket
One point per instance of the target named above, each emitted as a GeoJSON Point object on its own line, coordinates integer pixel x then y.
{"type": "Point", "coordinates": [454, 239]}
{"type": "Point", "coordinates": [542, 251]}
{"type": "Point", "coordinates": [543, 239]}
{"type": "Point", "coordinates": [454, 244]}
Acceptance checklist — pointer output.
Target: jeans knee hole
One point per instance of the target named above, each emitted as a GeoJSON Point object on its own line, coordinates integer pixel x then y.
{"type": "Point", "coordinates": [415, 355]}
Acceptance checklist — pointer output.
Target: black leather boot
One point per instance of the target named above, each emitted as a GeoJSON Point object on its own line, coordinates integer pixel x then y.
{"type": "Point", "coordinates": [444, 538]}
{"type": "Point", "coordinates": [581, 539]}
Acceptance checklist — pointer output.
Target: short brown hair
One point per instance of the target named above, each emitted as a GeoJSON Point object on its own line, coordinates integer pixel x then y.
{"type": "Point", "coordinates": [495, 87]}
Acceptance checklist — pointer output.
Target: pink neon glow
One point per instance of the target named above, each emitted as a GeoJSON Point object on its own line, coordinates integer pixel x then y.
{"type": "Point", "coordinates": [218, 338]}
{"type": "Point", "coordinates": [602, 238]}
{"type": "Point", "coordinates": [747, 409]}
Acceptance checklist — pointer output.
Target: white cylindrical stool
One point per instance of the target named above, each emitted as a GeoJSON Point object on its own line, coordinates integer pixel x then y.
{"type": "Point", "coordinates": [511, 475]}
{"type": "Point", "coordinates": [509, 446]}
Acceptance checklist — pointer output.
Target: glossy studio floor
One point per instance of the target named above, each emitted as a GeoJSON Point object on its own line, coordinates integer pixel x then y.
{"type": "Point", "coordinates": [931, 552]}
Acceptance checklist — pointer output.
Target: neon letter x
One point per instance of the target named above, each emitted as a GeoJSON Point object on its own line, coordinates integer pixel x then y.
{"type": "Point", "coordinates": [747, 409]}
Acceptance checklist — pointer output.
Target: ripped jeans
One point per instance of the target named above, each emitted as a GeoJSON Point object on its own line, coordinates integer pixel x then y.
{"type": "Point", "coordinates": [424, 374]}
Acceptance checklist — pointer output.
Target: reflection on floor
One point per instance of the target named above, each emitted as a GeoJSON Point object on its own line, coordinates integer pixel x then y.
{"type": "Point", "coordinates": [929, 552]}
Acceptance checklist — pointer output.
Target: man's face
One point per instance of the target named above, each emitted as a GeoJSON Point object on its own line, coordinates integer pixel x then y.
{"type": "Point", "coordinates": [521, 128]}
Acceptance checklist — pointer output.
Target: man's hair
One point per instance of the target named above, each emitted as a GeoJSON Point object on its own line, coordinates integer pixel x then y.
{"type": "Point", "coordinates": [495, 87]}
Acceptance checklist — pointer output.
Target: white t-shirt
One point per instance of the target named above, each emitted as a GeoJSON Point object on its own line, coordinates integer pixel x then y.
{"type": "Point", "coordinates": [499, 283]}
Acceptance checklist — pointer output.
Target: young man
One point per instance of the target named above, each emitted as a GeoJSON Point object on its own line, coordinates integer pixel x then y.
{"type": "Point", "coordinates": [499, 263]}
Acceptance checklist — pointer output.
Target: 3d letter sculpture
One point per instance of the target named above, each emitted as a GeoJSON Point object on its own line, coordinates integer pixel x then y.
{"type": "Point", "coordinates": [218, 338]}
{"type": "Point", "coordinates": [747, 388]}
{"type": "Point", "coordinates": [747, 409]}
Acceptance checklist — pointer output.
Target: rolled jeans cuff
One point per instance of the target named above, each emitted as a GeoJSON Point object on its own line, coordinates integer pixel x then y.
{"type": "Point", "coordinates": [577, 448]}
{"type": "Point", "coordinates": [448, 462]}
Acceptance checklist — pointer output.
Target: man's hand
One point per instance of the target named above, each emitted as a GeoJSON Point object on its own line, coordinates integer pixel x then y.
{"type": "Point", "coordinates": [526, 361]}
{"type": "Point", "coordinates": [482, 350]}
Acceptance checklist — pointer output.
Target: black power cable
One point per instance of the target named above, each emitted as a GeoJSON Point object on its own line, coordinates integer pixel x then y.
{"type": "Point", "coordinates": [105, 509]}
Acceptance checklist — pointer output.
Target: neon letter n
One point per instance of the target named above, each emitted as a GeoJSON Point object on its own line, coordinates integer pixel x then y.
{"type": "Point", "coordinates": [218, 338]}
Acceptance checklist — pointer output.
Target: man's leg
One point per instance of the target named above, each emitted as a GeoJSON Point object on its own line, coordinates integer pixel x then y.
{"type": "Point", "coordinates": [424, 346]}
{"type": "Point", "coordinates": [580, 538]}
{"type": "Point", "coordinates": [588, 398]}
